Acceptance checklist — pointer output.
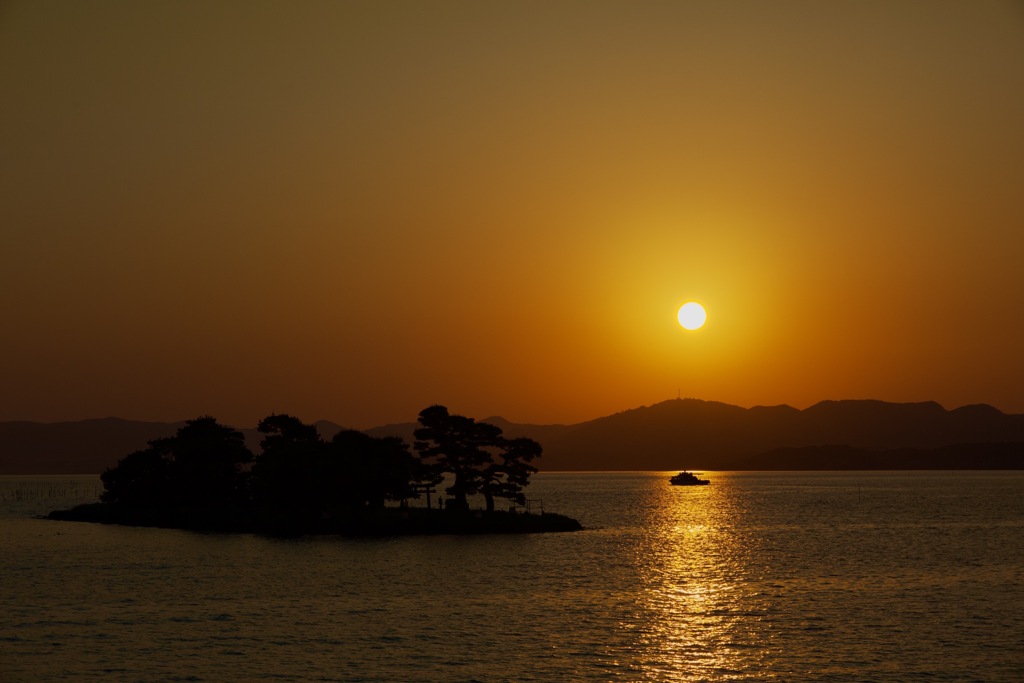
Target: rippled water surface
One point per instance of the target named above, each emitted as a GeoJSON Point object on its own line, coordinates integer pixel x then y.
{"type": "Point", "coordinates": [758, 577]}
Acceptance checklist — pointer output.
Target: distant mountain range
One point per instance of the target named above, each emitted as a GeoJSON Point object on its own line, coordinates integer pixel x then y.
{"type": "Point", "coordinates": [672, 435]}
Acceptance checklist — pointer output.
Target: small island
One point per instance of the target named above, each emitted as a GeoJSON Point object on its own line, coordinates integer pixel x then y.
{"type": "Point", "coordinates": [205, 478]}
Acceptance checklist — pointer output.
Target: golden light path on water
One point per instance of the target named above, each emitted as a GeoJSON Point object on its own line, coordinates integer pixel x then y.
{"type": "Point", "coordinates": [704, 616]}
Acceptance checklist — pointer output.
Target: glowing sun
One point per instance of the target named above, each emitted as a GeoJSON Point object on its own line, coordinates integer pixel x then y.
{"type": "Point", "coordinates": [692, 315]}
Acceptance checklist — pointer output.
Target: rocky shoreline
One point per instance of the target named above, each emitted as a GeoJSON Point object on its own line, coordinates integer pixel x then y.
{"type": "Point", "coordinates": [392, 521]}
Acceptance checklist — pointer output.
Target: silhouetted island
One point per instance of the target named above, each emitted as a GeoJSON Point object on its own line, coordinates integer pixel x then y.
{"type": "Point", "coordinates": [205, 478]}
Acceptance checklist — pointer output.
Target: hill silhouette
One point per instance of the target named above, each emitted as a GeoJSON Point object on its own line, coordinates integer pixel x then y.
{"type": "Point", "coordinates": [694, 434]}
{"type": "Point", "coordinates": [675, 434]}
{"type": "Point", "coordinates": [82, 447]}
{"type": "Point", "coordinates": [861, 434]}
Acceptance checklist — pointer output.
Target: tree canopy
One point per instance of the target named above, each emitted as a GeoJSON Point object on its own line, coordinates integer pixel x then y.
{"type": "Point", "coordinates": [200, 465]}
{"type": "Point", "coordinates": [479, 458]}
{"type": "Point", "coordinates": [299, 475]}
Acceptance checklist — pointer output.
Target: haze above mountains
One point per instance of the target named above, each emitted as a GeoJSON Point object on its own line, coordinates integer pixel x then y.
{"type": "Point", "coordinates": [672, 435]}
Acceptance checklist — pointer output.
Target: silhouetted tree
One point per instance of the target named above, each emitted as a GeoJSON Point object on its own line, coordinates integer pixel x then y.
{"type": "Point", "coordinates": [467, 449]}
{"type": "Point", "coordinates": [509, 474]}
{"type": "Point", "coordinates": [297, 470]}
{"type": "Point", "coordinates": [370, 470]}
{"type": "Point", "coordinates": [286, 471]}
{"type": "Point", "coordinates": [208, 457]}
{"type": "Point", "coordinates": [199, 466]}
{"type": "Point", "coordinates": [141, 478]}
{"type": "Point", "coordinates": [300, 484]}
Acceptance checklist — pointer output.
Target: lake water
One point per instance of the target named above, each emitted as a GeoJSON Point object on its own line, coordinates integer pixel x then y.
{"type": "Point", "coordinates": [906, 576]}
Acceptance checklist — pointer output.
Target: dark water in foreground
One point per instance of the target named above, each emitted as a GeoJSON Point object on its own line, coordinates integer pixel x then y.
{"type": "Point", "coordinates": [759, 577]}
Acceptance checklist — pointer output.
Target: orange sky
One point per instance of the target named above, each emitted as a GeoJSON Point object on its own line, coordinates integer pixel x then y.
{"type": "Point", "coordinates": [350, 210]}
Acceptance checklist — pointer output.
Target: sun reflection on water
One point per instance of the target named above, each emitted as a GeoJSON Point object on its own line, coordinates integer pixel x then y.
{"type": "Point", "coordinates": [699, 619]}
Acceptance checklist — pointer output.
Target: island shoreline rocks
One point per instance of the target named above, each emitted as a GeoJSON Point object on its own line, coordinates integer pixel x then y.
{"type": "Point", "coordinates": [392, 521]}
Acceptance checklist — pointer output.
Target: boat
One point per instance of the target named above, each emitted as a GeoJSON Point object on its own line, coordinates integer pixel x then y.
{"type": "Point", "coordinates": [685, 478]}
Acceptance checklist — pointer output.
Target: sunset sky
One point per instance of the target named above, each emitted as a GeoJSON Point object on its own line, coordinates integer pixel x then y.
{"type": "Point", "coordinates": [353, 210]}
